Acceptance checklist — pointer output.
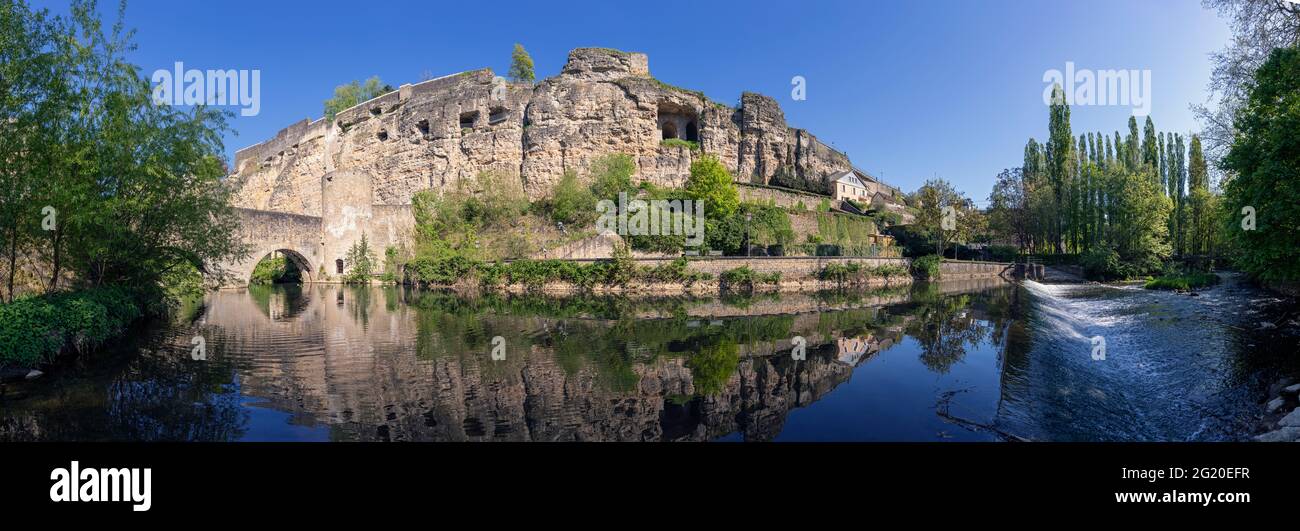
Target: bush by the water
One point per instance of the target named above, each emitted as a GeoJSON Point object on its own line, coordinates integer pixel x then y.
{"type": "Point", "coordinates": [927, 267]}
{"type": "Point", "coordinates": [854, 272]}
{"type": "Point", "coordinates": [34, 330]}
{"type": "Point", "coordinates": [745, 278]}
{"type": "Point", "coordinates": [1104, 263]}
{"type": "Point", "coordinates": [1183, 282]}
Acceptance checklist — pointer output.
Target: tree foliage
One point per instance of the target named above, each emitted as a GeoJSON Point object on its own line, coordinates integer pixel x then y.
{"type": "Point", "coordinates": [361, 262]}
{"type": "Point", "coordinates": [712, 183]}
{"type": "Point", "coordinates": [521, 65]}
{"type": "Point", "coordinates": [1265, 158]}
{"type": "Point", "coordinates": [1122, 202]}
{"type": "Point", "coordinates": [100, 183]}
{"type": "Point", "coordinates": [1258, 27]}
{"type": "Point", "coordinates": [1009, 208]}
{"type": "Point", "coordinates": [354, 93]}
{"type": "Point", "coordinates": [938, 200]}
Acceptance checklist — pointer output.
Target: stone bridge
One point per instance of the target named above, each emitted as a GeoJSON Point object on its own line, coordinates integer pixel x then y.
{"type": "Point", "coordinates": [298, 237]}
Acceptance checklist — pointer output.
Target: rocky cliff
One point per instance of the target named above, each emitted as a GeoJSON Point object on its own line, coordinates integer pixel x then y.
{"type": "Point", "coordinates": [435, 133]}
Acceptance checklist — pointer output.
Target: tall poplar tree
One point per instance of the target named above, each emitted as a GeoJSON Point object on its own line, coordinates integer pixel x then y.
{"type": "Point", "coordinates": [1060, 155]}
{"type": "Point", "coordinates": [1150, 150]}
{"type": "Point", "coordinates": [1199, 199]}
{"type": "Point", "coordinates": [1134, 149]}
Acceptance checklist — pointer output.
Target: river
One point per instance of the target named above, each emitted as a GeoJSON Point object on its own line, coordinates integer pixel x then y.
{"type": "Point", "coordinates": [953, 361]}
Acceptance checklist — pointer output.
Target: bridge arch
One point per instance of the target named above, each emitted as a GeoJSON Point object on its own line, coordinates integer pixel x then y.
{"type": "Point", "coordinates": [304, 264]}
{"type": "Point", "coordinates": [263, 232]}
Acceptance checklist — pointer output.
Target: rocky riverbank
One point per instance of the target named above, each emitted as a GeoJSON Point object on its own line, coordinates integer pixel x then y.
{"type": "Point", "coordinates": [1282, 412]}
{"type": "Point", "coordinates": [1279, 318]}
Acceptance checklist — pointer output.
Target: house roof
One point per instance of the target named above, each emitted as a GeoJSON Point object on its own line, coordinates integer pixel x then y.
{"type": "Point", "coordinates": [848, 177]}
{"type": "Point", "coordinates": [862, 174]}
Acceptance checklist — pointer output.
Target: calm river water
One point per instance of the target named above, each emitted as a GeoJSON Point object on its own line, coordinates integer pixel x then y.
{"type": "Point", "coordinates": [955, 361]}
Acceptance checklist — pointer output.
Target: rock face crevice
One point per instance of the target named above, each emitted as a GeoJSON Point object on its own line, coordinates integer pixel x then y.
{"type": "Point", "coordinates": [438, 132]}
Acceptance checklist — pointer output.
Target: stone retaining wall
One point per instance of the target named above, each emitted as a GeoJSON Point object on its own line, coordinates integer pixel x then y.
{"type": "Point", "coordinates": [782, 197]}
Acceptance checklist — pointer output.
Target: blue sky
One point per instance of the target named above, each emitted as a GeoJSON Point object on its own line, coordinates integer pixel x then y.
{"type": "Point", "coordinates": [909, 89]}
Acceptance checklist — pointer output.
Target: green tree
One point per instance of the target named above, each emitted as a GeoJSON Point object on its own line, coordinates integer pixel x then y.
{"type": "Point", "coordinates": [1134, 148]}
{"type": "Point", "coordinates": [101, 183]}
{"type": "Point", "coordinates": [1180, 193]}
{"type": "Point", "coordinates": [1265, 160]}
{"type": "Point", "coordinates": [360, 259]}
{"type": "Point", "coordinates": [941, 216]}
{"type": "Point", "coordinates": [353, 94]}
{"type": "Point", "coordinates": [1009, 208]}
{"type": "Point", "coordinates": [521, 65]}
{"type": "Point", "coordinates": [1150, 147]}
{"type": "Point", "coordinates": [1060, 161]}
{"type": "Point", "coordinates": [1140, 234]}
{"type": "Point", "coordinates": [1200, 200]}
{"type": "Point", "coordinates": [712, 183]}
{"type": "Point", "coordinates": [612, 174]}
{"type": "Point", "coordinates": [570, 202]}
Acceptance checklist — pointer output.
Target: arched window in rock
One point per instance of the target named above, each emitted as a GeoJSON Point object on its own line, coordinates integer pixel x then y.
{"type": "Point", "coordinates": [670, 130]}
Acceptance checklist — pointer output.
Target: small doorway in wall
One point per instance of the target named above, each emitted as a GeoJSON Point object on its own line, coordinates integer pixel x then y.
{"type": "Point", "coordinates": [338, 266]}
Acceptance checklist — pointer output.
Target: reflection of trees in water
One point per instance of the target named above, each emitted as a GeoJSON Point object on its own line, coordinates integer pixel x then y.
{"type": "Point", "coordinates": [161, 399]}
{"type": "Point", "coordinates": [279, 301]}
{"type": "Point", "coordinates": [713, 365]}
{"type": "Point", "coordinates": [946, 325]}
{"type": "Point", "coordinates": [576, 368]}
{"type": "Point", "coordinates": [147, 391]}
{"type": "Point", "coordinates": [454, 326]}
{"type": "Point", "coordinates": [357, 301]}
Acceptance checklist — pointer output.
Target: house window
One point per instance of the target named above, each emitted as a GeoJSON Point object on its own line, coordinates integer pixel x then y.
{"type": "Point", "coordinates": [338, 265]}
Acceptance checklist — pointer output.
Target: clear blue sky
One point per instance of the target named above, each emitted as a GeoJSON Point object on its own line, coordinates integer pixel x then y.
{"type": "Point", "coordinates": [911, 89]}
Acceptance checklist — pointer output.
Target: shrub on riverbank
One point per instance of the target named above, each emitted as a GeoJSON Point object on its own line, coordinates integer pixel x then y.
{"type": "Point", "coordinates": [745, 278]}
{"type": "Point", "coordinates": [890, 271]}
{"type": "Point", "coordinates": [34, 330]}
{"type": "Point", "coordinates": [854, 272]}
{"type": "Point", "coordinates": [1104, 263]}
{"type": "Point", "coordinates": [927, 267]}
{"type": "Point", "coordinates": [1183, 282]}
{"type": "Point", "coordinates": [740, 277]}
{"type": "Point", "coordinates": [617, 271]}
{"type": "Point", "coordinates": [842, 273]}
{"type": "Point", "coordinates": [675, 271]}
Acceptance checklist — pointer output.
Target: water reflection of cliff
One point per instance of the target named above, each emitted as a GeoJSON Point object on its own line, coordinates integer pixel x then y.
{"type": "Point", "coordinates": [387, 364]}
{"type": "Point", "coordinates": [416, 366]}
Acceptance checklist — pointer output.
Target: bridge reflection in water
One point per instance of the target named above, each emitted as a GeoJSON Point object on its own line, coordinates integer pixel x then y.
{"type": "Point", "coordinates": [338, 363]}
